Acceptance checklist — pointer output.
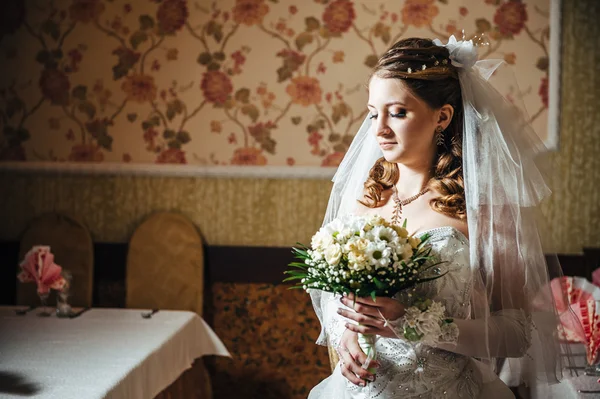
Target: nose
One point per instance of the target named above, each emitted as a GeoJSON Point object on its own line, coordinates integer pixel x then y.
{"type": "Point", "coordinates": [381, 127]}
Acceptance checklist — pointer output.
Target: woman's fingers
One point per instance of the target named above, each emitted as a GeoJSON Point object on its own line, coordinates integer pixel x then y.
{"type": "Point", "coordinates": [351, 359]}
{"type": "Point", "coordinates": [360, 307]}
{"type": "Point", "coordinates": [362, 319]}
{"type": "Point", "coordinates": [352, 370]}
{"type": "Point", "coordinates": [389, 308]}
{"type": "Point", "coordinates": [356, 351]}
{"type": "Point", "coordinates": [364, 329]}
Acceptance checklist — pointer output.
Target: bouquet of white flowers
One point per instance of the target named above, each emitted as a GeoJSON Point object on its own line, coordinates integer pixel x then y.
{"type": "Point", "coordinates": [367, 256]}
{"type": "Point", "coordinates": [363, 255]}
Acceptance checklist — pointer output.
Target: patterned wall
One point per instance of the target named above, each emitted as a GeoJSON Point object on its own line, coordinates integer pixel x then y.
{"type": "Point", "coordinates": [278, 82]}
{"type": "Point", "coordinates": [271, 330]}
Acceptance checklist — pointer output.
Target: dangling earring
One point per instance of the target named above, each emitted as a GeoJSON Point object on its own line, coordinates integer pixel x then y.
{"type": "Point", "coordinates": [439, 136]}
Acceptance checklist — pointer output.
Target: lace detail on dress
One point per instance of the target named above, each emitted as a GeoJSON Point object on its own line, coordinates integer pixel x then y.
{"type": "Point", "coordinates": [414, 370]}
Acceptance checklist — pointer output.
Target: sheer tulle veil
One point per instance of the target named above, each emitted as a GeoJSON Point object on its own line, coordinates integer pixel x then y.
{"type": "Point", "coordinates": [513, 315]}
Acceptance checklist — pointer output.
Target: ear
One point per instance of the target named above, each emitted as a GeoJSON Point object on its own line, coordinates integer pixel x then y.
{"type": "Point", "coordinates": [445, 115]}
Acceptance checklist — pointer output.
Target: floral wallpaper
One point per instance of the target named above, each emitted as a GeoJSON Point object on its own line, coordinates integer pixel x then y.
{"type": "Point", "coordinates": [229, 82]}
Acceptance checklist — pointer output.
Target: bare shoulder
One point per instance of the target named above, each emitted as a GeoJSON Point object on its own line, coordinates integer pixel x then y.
{"type": "Point", "coordinates": [435, 219]}
{"type": "Point", "coordinates": [361, 209]}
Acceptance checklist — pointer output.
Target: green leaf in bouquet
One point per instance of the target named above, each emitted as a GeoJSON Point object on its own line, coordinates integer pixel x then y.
{"type": "Point", "coordinates": [379, 284]}
{"type": "Point", "coordinates": [411, 334]}
{"type": "Point", "coordinates": [420, 259]}
{"type": "Point", "coordinates": [292, 278]}
{"type": "Point", "coordinates": [295, 273]}
{"type": "Point", "coordinates": [405, 223]}
{"type": "Point", "coordinates": [299, 264]}
{"type": "Point", "coordinates": [374, 295]}
{"type": "Point", "coordinates": [424, 280]}
{"type": "Point", "coordinates": [425, 237]}
{"type": "Point", "coordinates": [300, 251]}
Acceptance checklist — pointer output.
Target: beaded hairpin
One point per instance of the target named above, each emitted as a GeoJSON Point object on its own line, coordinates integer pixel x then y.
{"type": "Point", "coordinates": [424, 66]}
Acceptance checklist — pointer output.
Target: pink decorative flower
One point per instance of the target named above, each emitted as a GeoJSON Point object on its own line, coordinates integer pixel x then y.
{"type": "Point", "coordinates": [333, 159]}
{"type": "Point", "coordinates": [139, 88]}
{"type": "Point", "coordinates": [419, 12]}
{"type": "Point", "coordinates": [39, 267]}
{"type": "Point", "coordinates": [86, 153]}
{"type": "Point", "coordinates": [543, 92]}
{"type": "Point", "coordinates": [86, 11]}
{"type": "Point", "coordinates": [304, 90]}
{"type": "Point", "coordinates": [250, 12]}
{"type": "Point", "coordinates": [511, 17]}
{"type": "Point", "coordinates": [55, 86]}
{"type": "Point", "coordinates": [172, 155]}
{"type": "Point", "coordinates": [171, 16]}
{"type": "Point", "coordinates": [339, 16]}
{"type": "Point", "coordinates": [216, 86]}
{"type": "Point", "coordinates": [314, 138]}
{"type": "Point", "coordinates": [248, 156]}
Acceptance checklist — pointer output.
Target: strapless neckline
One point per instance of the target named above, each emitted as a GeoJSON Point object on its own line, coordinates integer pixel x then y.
{"type": "Point", "coordinates": [433, 230]}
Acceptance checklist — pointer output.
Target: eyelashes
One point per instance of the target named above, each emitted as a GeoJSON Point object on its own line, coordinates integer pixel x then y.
{"type": "Point", "coordinates": [400, 114]}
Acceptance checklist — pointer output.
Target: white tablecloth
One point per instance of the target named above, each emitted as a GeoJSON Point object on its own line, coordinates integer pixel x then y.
{"type": "Point", "coordinates": [104, 353]}
{"type": "Point", "coordinates": [571, 386]}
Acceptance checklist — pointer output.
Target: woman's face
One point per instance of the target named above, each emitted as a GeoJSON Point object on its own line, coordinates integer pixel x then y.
{"type": "Point", "coordinates": [403, 124]}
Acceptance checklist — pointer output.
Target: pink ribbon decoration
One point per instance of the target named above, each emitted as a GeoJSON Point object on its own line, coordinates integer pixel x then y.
{"type": "Point", "coordinates": [590, 321]}
{"type": "Point", "coordinates": [577, 291]}
{"type": "Point", "coordinates": [39, 267]}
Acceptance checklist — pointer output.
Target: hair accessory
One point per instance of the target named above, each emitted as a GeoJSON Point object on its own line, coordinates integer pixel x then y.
{"type": "Point", "coordinates": [463, 54]}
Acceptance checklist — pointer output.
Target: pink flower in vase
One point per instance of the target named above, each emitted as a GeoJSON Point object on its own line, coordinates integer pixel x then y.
{"type": "Point", "coordinates": [39, 267]}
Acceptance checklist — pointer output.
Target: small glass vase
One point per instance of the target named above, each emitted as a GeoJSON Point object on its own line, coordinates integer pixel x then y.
{"type": "Point", "coordinates": [63, 308]}
{"type": "Point", "coordinates": [44, 310]}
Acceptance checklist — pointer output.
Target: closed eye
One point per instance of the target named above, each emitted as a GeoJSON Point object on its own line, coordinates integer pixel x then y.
{"type": "Point", "coordinates": [400, 114]}
{"type": "Point", "coordinates": [372, 116]}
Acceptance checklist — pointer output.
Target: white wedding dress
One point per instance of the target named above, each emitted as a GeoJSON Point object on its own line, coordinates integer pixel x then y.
{"type": "Point", "coordinates": [409, 370]}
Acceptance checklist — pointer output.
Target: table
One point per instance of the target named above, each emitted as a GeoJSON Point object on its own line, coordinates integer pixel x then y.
{"type": "Point", "coordinates": [570, 386]}
{"type": "Point", "coordinates": [103, 353]}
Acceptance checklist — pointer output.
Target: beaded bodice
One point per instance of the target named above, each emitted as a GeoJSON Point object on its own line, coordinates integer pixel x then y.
{"type": "Point", "coordinates": [411, 370]}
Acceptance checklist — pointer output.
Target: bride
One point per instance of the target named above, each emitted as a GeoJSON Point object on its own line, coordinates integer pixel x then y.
{"type": "Point", "coordinates": [442, 149]}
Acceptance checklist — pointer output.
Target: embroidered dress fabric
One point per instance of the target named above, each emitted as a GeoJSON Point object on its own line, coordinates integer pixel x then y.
{"type": "Point", "coordinates": [414, 369]}
{"type": "Point", "coordinates": [504, 266]}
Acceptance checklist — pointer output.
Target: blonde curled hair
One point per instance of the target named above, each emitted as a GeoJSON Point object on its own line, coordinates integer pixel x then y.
{"type": "Point", "coordinates": [437, 85]}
